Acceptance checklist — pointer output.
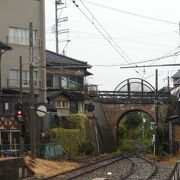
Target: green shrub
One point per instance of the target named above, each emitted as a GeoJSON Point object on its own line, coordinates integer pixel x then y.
{"type": "Point", "coordinates": [71, 139]}
{"type": "Point", "coordinates": [86, 148]}
{"type": "Point", "coordinates": [125, 146]}
{"type": "Point", "coordinates": [121, 132]}
{"type": "Point", "coordinates": [68, 138]}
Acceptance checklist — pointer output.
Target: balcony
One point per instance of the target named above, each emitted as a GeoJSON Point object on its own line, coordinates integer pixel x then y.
{"type": "Point", "coordinates": [14, 83]}
{"type": "Point", "coordinates": [91, 90]}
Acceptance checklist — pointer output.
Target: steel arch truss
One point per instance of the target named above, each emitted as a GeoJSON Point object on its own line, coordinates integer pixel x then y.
{"type": "Point", "coordinates": [133, 90]}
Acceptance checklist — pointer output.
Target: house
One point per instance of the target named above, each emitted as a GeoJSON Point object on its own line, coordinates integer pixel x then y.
{"type": "Point", "coordinates": [66, 83]}
{"type": "Point", "coordinates": [176, 78]}
{"type": "Point", "coordinates": [69, 91]}
{"type": "Point", "coordinates": [15, 18]}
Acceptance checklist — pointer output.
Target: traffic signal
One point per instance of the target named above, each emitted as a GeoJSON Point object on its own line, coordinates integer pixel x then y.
{"type": "Point", "coordinates": [19, 111]}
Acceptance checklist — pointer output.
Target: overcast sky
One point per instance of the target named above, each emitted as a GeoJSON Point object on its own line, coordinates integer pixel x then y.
{"type": "Point", "coordinates": [107, 34]}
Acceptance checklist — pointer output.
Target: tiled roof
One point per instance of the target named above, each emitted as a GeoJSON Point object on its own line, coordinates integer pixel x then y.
{"type": "Point", "coordinates": [72, 95]}
{"type": "Point", "coordinates": [176, 75]}
{"type": "Point", "coordinates": [54, 59]}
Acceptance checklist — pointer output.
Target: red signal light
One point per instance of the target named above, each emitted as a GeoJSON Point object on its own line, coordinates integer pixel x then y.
{"type": "Point", "coordinates": [19, 113]}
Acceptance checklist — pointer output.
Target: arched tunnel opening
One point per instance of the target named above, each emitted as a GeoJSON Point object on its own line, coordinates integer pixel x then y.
{"type": "Point", "coordinates": [139, 126]}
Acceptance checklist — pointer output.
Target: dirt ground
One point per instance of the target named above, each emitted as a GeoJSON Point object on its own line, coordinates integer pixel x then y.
{"type": "Point", "coordinates": [45, 168]}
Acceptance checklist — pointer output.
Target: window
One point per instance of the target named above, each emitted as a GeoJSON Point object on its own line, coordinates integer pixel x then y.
{"type": "Point", "coordinates": [62, 104]}
{"type": "Point", "coordinates": [64, 81]}
{"type": "Point", "coordinates": [21, 36]}
{"type": "Point", "coordinates": [57, 81]}
{"type": "Point", "coordinates": [49, 80]}
{"type": "Point", "coordinates": [14, 77]}
{"type": "Point", "coordinates": [7, 108]}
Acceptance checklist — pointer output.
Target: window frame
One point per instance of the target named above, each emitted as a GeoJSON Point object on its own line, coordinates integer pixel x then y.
{"type": "Point", "coordinates": [21, 36]}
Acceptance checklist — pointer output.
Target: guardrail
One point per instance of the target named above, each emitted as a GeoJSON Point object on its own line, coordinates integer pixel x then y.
{"type": "Point", "coordinates": [175, 174]}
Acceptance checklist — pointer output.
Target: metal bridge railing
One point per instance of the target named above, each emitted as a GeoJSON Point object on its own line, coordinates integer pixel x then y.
{"type": "Point", "coordinates": [132, 96]}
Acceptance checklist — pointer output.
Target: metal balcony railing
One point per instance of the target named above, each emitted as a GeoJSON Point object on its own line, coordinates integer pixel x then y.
{"type": "Point", "coordinates": [14, 83]}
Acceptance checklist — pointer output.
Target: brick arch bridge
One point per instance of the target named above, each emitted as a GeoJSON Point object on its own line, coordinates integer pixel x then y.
{"type": "Point", "coordinates": [115, 112]}
{"type": "Point", "coordinates": [131, 95]}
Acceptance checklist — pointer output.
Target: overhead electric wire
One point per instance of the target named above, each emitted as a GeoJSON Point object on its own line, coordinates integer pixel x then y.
{"type": "Point", "coordinates": [105, 31]}
{"type": "Point", "coordinates": [108, 38]}
{"type": "Point", "coordinates": [130, 13]}
{"type": "Point", "coordinates": [157, 59]}
{"type": "Point", "coordinates": [146, 61]}
{"type": "Point", "coordinates": [158, 65]}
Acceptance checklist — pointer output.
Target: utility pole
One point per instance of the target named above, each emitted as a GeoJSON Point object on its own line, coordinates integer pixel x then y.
{"type": "Point", "coordinates": [21, 123]}
{"type": "Point", "coordinates": [20, 77]}
{"type": "Point", "coordinates": [156, 109]}
{"type": "Point", "coordinates": [56, 27]}
{"type": "Point", "coordinates": [59, 6]}
{"type": "Point", "coordinates": [32, 99]}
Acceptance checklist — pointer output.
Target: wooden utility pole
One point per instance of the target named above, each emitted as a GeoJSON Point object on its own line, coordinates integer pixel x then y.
{"type": "Point", "coordinates": [21, 123]}
{"type": "Point", "coordinates": [20, 77]}
{"type": "Point", "coordinates": [32, 99]}
{"type": "Point", "coordinates": [56, 27]}
{"type": "Point", "coordinates": [156, 109]}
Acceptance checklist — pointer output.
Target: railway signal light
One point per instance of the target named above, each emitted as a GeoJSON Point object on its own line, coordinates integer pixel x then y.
{"type": "Point", "coordinates": [19, 111]}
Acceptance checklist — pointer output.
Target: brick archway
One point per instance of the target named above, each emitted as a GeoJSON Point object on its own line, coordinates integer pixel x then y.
{"type": "Point", "coordinates": [114, 112]}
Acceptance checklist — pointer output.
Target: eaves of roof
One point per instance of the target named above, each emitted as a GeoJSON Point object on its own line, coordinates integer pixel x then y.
{"type": "Point", "coordinates": [176, 75]}
{"type": "Point", "coordinates": [4, 46]}
{"type": "Point", "coordinates": [71, 95]}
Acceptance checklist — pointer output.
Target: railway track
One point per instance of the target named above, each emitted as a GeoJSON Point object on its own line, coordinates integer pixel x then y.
{"type": "Point", "coordinates": [117, 167]}
{"type": "Point", "coordinates": [87, 169]}
{"type": "Point", "coordinates": [132, 166]}
{"type": "Point", "coordinates": [143, 169]}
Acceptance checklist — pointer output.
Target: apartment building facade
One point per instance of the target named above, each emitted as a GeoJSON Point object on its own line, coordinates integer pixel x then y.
{"type": "Point", "coordinates": [15, 18]}
{"type": "Point", "coordinates": [16, 15]}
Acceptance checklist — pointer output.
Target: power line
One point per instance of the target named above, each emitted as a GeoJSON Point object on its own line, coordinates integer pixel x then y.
{"type": "Point", "coordinates": [157, 59]}
{"type": "Point", "coordinates": [130, 13]}
{"type": "Point", "coordinates": [108, 35]}
{"type": "Point", "coordinates": [151, 60]}
{"type": "Point", "coordinates": [158, 65]}
{"type": "Point", "coordinates": [109, 39]}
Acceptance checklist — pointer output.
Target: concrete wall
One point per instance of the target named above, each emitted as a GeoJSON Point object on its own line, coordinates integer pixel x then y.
{"type": "Point", "coordinates": [14, 168]}
{"type": "Point", "coordinates": [18, 14]}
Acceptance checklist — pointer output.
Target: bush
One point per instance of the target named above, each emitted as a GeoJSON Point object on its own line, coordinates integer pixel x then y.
{"type": "Point", "coordinates": [125, 146]}
{"type": "Point", "coordinates": [86, 148]}
{"type": "Point", "coordinates": [121, 132]}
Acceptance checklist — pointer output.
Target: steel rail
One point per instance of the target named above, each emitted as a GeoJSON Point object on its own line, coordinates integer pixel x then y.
{"type": "Point", "coordinates": [132, 171]}
{"type": "Point", "coordinates": [120, 156]}
{"type": "Point", "coordinates": [155, 168]}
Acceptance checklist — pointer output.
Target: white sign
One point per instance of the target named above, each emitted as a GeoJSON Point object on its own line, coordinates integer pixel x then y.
{"type": "Point", "coordinates": [41, 111]}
